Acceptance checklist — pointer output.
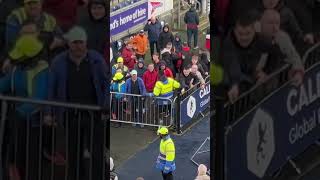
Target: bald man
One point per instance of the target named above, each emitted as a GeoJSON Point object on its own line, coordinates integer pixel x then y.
{"type": "Point", "coordinates": [270, 27]}
{"type": "Point", "coordinates": [154, 28]}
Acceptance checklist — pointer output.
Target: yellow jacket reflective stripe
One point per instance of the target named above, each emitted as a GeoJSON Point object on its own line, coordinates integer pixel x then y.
{"type": "Point", "coordinates": [49, 21]}
{"type": "Point", "coordinates": [167, 150]}
{"type": "Point", "coordinates": [165, 89]}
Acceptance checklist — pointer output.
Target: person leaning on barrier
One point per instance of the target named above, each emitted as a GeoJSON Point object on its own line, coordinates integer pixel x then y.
{"type": "Point", "coordinates": [166, 158]}
{"type": "Point", "coordinates": [195, 61]}
{"type": "Point", "coordinates": [150, 78]}
{"type": "Point", "coordinates": [135, 86]}
{"type": "Point", "coordinates": [186, 79]}
{"type": "Point", "coordinates": [289, 22]}
{"type": "Point", "coordinates": [270, 27]}
{"type": "Point", "coordinates": [165, 86]}
{"type": "Point", "coordinates": [79, 75]}
{"type": "Point", "coordinates": [118, 86]}
{"type": "Point", "coordinates": [29, 79]}
{"type": "Point", "coordinates": [245, 56]}
{"type": "Point", "coordinates": [195, 72]}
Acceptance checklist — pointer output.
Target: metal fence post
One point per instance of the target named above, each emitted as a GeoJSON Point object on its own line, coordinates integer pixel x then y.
{"type": "Point", "coordinates": [218, 126]}
{"type": "Point", "coordinates": [4, 107]}
{"type": "Point", "coordinates": [178, 116]}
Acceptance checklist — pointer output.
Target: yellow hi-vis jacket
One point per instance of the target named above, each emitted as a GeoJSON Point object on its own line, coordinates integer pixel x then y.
{"type": "Point", "coordinates": [49, 23]}
{"type": "Point", "coordinates": [165, 161]}
{"type": "Point", "coordinates": [165, 89]}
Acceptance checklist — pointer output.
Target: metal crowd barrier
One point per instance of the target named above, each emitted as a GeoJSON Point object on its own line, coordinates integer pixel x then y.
{"type": "Point", "coordinates": [194, 88]}
{"type": "Point", "coordinates": [252, 97]}
{"type": "Point", "coordinates": [142, 110]}
{"type": "Point", "coordinates": [277, 79]}
{"type": "Point", "coordinates": [311, 56]}
{"type": "Point", "coordinates": [28, 139]}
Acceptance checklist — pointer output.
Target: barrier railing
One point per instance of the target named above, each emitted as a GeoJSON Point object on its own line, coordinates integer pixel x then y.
{"type": "Point", "coordinates": [311, 56]}
{"type": "Point", "coordinates": [153, 111]}
{"type": "Point", "coordinates": [194, 88]}
{"type": "Point", "coordinates": [194, 104]}
{"type": "Point", "coordinates": [272, 123]}
{"type": "Point", "coordinates": [250, 98]}
{"type": "Point", "coordinates": [29, 141]}
{"type": "Point", "coordinates": [142, 110]}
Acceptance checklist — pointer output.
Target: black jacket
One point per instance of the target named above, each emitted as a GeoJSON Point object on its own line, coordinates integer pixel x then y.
{"type": "Point", "coordinates": [191, 17]}
{"type": "Point", "coordinates": [240, 63]}
{"type": "Point", "coordinates": [153, 30]}
{"type": "Point", "coordinates": [165, 37]}
{"type": "Point", "coordinates": [185, 80]}
{"type": "Point", "coordinates": [96, 30]}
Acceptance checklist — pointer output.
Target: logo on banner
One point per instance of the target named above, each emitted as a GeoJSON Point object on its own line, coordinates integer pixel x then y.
{"type": "Point", "coordinates": [191, 106]}
{"type": "Point", "coordinates": [260, 143]}
{"type": "Point", "coordinates": [156, 4]}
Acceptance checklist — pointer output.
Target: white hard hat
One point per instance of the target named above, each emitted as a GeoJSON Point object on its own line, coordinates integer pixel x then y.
{"type": "Point", "coordinates": [111, 164]}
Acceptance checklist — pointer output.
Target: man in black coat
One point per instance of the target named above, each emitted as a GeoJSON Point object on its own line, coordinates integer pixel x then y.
{"type": "Point", "coordinates": [192, 22]}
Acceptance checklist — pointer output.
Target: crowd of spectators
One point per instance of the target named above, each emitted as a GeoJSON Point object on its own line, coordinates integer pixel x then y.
{"type": "Point", "coordinates": [170, 55]}
{"type": "Point", "coordinates": [53, 50]}
{"type": "Point", "coordinates": [260, 36]}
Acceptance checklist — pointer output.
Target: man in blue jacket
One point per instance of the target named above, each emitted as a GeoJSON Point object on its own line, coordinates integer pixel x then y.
{"type": "Point", "coordinates": [154, 28]}
{"type": "Point", "coordinates": [79, 75]}
{"type": "Point", "coordinates": [28, 79]}
{"type": "Point", "coordinates": [136, 87]}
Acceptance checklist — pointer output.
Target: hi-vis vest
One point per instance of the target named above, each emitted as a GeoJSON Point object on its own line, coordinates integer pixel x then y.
{"type": "Point", "coordinates": [31, 74]}
{"type": "Point", "coordinates": [165, 161]}
{"type": "Point", "coordinates": [49, 23]}
{"type": "Point", "coordinates": [165, 90]}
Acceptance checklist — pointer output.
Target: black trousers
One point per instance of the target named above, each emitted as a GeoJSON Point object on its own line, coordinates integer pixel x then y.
{"type": "Point", "coordinates": [85, 131]}
{"type": "Point", "coordinates": [152, 44]}
{"type": "Point", "coordinates": [168, 176]}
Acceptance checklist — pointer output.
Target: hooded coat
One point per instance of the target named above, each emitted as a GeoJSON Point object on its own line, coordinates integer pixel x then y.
{"type": "Point", "coordinates": [177, 44]}
{"type": "Point", "coordinates": [165, 37]}
{"type": "Point", "coordinates": [192, 19]}
{"type": "Point", "coordinates": [96, 29]}
{"type": "Point", "coordinates": [140, 71]}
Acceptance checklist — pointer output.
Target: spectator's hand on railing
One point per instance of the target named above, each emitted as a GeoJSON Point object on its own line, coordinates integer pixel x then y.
{"type": "Point", "coordinates": [125, 99]}
{"type": "Point", "coordinates": [297, 78]}
{"type": "Point", "coordinates": [6, 66]}
{"type": "Point", "coordinates": [183, 91]}
{"type": "Point", "coordinates": [202, 86]}
{"type": "Point", "coordinates": [233, 93]}
{"type": "Point", "coordinates": [309, 38]}
{"type": "Point", "coordinates": [48, 120]}
{"type": "Point", "coordinates": [261, 77]}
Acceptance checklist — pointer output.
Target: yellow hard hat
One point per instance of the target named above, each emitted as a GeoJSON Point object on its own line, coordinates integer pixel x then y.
{"type": "Point", "coordinates": [27, 46]}
{"type": "Point", "coordinates": [120, 60]}
{"type": "Point", "coordinates": [163, 131]}
{"type": "Point", "coordinates": [118, 76]}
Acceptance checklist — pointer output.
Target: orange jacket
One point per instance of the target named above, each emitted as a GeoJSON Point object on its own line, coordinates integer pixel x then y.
{"type": "Point", "coordinates": [140, 43]}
